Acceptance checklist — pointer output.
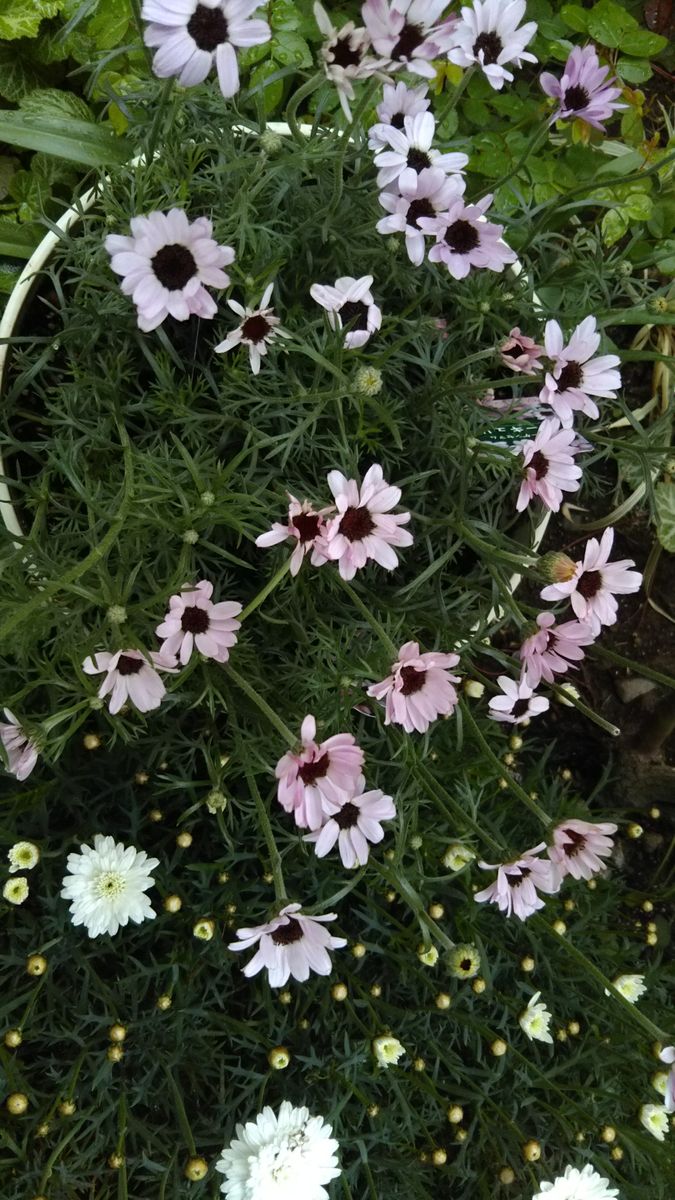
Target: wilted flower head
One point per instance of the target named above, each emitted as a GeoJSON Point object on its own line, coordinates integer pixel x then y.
{"type": "Point", "coordinates": [190, 36]}
{"type": "Point", "coordinates": [349, 302]}
{"type": "Point", "coordinates": [364, 527]}
{"type": "Point", "coordinates": [585, 90]}
{"type": "Point", "coordinates": [575, 1184]}
{"type": "Point", "coordinates": [22, 753]}
{"type": "Point", "coordinates": [579, 847]}
{"type": "Point", "coordinates": [521, 353]}
{"type": "Point", "coordinates": [535, 1021]}
{"type": "Point", "coordinates": [194, 622]}
{"type": "Point", "coordinates": [553, 649]}
{"type": "Point", "coordinates": [514, 891]}
{"type": "Point", "coordinates": [280, 1156]}
{"type": "Point", "coordinates": [307, 527]}
{"type": "Point", "coordinates": [631, 987]}
{"type": "Point", "coordinates": [654, 1117]}
{"type": "Point", "coordinates": [488, 35]}
{"type": "Point", "coordinates": [595, 582]}
{"type": "Point", "coordinates": [106, 885]}
{"type": "Point", "coordinates": [419, 689]}
{"type": "Point", "coordinates": [457, 856]}
{"type": "Point", "coordinates": [387, 1050]}
{"type": "Point", "coordinates": [291, 944]}
{"type": "Point", "coordinates": [314, 782]}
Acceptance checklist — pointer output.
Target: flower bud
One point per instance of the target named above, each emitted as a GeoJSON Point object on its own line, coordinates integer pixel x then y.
{"type": "Point", "coordinates": [279, 1058]}
{"type": "Point", "coordinates": [16, 1104]}
{"type": "Point", "coordinates": [196, 1169]}
{"type": "Point", "coordinates": [532, 1151]}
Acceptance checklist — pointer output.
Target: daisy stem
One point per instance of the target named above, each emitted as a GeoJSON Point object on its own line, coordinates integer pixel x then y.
{"type": "Point", "coordinates": [158, 118]}
{"type": "Point", "coordinates": [414, 903]}
{"type": "Point", "coordinates": [262, 705]}
{"type": "Point", "coordinates": [567, 698]}
{"type": "Point", "coordinates": [181, 1113]}
{"type": "Point", "coordinates": [264, 592]}
{"type": "Point", "coordinates": [640, 669]}
{"type": "Point", "coordinates": [503, 773]}
{"type": "Point", "coordinates": [457, 92]}
{"type": "Point", "coordinates": [296, 100]}
{"type": "Point", "coordinates": [523, 561]}
{"type": "Point", "coordinates": [268, 834]}
{"type": "Point", "coordinates": [371, 619]}
{"type": "Point", "coordinates": [449, 807]}
{"type": "Point", "coordinates": [365, 101]}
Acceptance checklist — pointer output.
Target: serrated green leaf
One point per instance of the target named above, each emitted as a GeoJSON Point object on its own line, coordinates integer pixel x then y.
{"type": "Point", "coordinates": [22, 18]}
{"type": "Point", "coordinates": [52, 102]}
{"type": "Point", "coordinates": [18, 241]}
{"type": "Point", "coordinates": [634, 70]}
{"type": "Point", "coordinates": [77, 141]}
{"type": "Point", "coordinates": [641, 41]}
{"type": "Point", "coordinates": [638, 207]}
{"type": "Point", "coordinates": [632, 127]}
{"type": "Point", "coordinates": [7, 168]}
{"type": "Point", "coordinates": [664, 497]}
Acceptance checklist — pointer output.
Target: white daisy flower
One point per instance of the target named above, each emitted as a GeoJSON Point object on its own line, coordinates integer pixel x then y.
{"type": "Point", "coordinates": [350, 302]}
{"type": "Point", "coordinates": [631, 987]}
{"type": "Point", "coordinates": [259, 327]}
{"type": "Point", "coordinates": [654, 1117]}
{"type": "Point", "coordinates": [488, 36]}
{"type": "Point", "coordinates": [107, 886]}
{"type": "Point", "coordinates": [535, 1021]}
{"type": "Point", "coordinates": [387, 1050]}
{"type": "Point", "coordinates": [23, 856]}
{"type": "Point", "coordinates": [411, 147]}
{"type": "Point", "coordinates": [190, 36]}
{"type": "Point", "coordinates": [577, 1185]}
{"type": "Point", "coordinates": [398, 102]}
{"type": "Point", "coordinates": [286, 1156]}
{"type": "Point", "coordinates": [346, 54]}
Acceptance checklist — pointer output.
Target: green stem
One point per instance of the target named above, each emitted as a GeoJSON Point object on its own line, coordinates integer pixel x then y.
{"type": "Point", "coordinates": [567, 698]}
{"type": "Point", "coordinates": [181, 1113]}
{"type": "Point", "coordinates": [449, 807]}
{"type": "Point", "coordinates": [457, 92]}
{"type": "Point", "coordinates": [371, 619]}
{"type": "Point", "coordinates": [366, 98]}
{"type": "Point", "coordinates": [264, 592]}
{"type": "Point", "coordinates": [296, 100]}
{"type": "Point", "coordinates": [262, 705]}
{"type": "Point", "coordinates": [414, 902]}
{"type": "Point", "coordinates": [514, 787]}
{"type": "Point", "coordinates": [639, 668]}
{"type": "Point", "coordinates": [523, 561]}
{"type": "Point", "coordinates": [268, 834]}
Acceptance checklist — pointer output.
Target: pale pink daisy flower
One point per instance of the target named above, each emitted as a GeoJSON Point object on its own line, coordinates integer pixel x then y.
{"type": "Point", "coordinates": [398, 101]}
{"type": "Point", "coordinates": [520, 353]}
{"type": "Point", "coordinates": [22, 753]}
{"type": "Point", "coordinates": [349, 302]}
{"type": "Point", "coordinates": [595, 582]}
{"type": "Point", "coordinates": [189, 36]}
{"type": "Point", "coordinates": [346, 55]}
{"type": "Point", "coordinates": [364, 526]}
{"type": "Point", "coordinates": [514, 891]}
{"type": "Point", "coordinates": [667, 1055]}
{"type": "Point", "coordinates": [165, 264]}
{"type": "Point", "coordinates": [553, 649]}
{"type": "Point", "coordinates": [419, 688]}
{"type": "Point", "coordinates": [516, 702]}
{"type": "Point", "coordinates": [289, 946]}
{"type": "Point", "coordinates": [577, 374]}
{"type": "Point", "coordinates": [411, 147]}
{"type": "Point", "coordinates": [354, 825]}
{"type": "Point", "coordinates": [424, 195]}
{"type": "Point", "coordinates": [259, 327]}
{"type": "Point", "coordinates": [409, 33]}
{"type": "Point", "coordinates": [488, 36]}
{"type": "Point", "coordinates": [585, 90]}
{"type": "Point", "coordinates": [548, 466]}
{"type": "Point", "coordinates": [465, 240]}
{"type": "Point", "coordinates": [195, 622]}
{"type": "Point", "coordinates": [313, 782]}
{"type": "Point", "coordinates": [306, 527]}
{"type": "Point", "coordinates": [580, 846]}
{"type": "Point", "coordinates": [130, 675]}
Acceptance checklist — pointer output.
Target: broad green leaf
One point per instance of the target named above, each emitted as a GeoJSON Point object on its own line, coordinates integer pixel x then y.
{"type": "Point", "coordinates": [475, 111]}
{"type": "Point", "coordinates": [662, 220]}
{"type": "Point", "coordinates": [51, 102]}
{"type": "Point", "coordinates": [18, 241]}
{"type": "Point", "coordinates": [665, 257]}
{"type": "Point", "coordinates": [286, 17]}
{"type": "Point", "coordinates": [614, 225]}
{"type": "Point", "coordinates": [638, 207]}
{"type": "Point", "coordinates": [22, 18]}
{"type": "Point", "coordinates": [7, 168]}
{"type": "Point", "coordinates": [272, 94]}
{"type": "Point", "coordinates": [18, 75]}
{"type": "Point", "coordinates": [664, 496]}
{"type": "Point", "coordinates": [632, 128]}
{"type": "Point", "coordinates": [634, 70]}
{"type": "Point", "coordinates": [253, 54]}
{"type": "Point", "coordinates": [290, 49]}
{"type": "Point", "coordinates": [575, 17]}
{"type": "Point", "coordinates": [641, 41]}
{"type": "Point", "coordinates": [608, 23]}
{"type": "Point", "coordinates": [78, 141]}
{"type": "Point", "coordinates": [109, 24]}
{"type": "Point", "coordinates": [10, 269]}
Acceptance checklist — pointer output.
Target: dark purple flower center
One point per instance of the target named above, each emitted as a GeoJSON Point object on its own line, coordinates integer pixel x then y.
{"type": "Point", "coordinates": [516, 880]}
{"type": "Point", "coordinates": [255, 328]}
{"type": "Point", "coordinates": [418, 159]}
{"type": "Point", "coordinates": [466, 964]}
{"type": "Point", "coordinates": [539, 464]}
{"type": "Point", "coordinates": [285, 935]}
{"type": "Point", "coordinates": [570, 376]}
{"type": "Point", "coordinates": [309, 772]}
{"type": "Point", "coordinates": [512, 351]}
{"type": "Point", "coordinates": [355, 314]}
{"type": "Point", "coordinates": [461, 237]}
{"type": "Point", "coordinates": [520, 708]}
{"type": "Point", "coordinates": [344, 54]}
{"type": "Point", "coordinates": [410, 37]}
{"type": "Point", "coordinates": [207, 27]}
{"type": "Point", "coordinates": [398, 120]}
{"type": "Point", "coordinates": [491, 45]}
{"type": "Point", "coordinates": [174, 266]}
{"type": "Point", "coordinates": [417, 209]}
{"type": "Point", "coordinates": [356, 524]}
{"type": "Point", "coordinates": [126, 665]}
{"type": "Point", "coordinates": [576, 98]}
{"type": "Point", "coordinates": [413, 680]}
{"type": "Point", "coordinates": [589, 584]}
{"type": "Point", "coordinates": [347, 817]}
{"type": "Point", "coordinates": [194, 619]}
{"type": "Point", "coordinates": [577, 840]}
{"type": "Point", "coordinates": [307, 525]}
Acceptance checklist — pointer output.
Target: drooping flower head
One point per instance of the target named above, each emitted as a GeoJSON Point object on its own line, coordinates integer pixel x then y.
{"type": "Point", "coordinates": [409, 33]}
{"type": "Point", "coordinates": [387, 1050]}
{"type": "Point", "coordinates": [194, 622]}
{"type": "Point", "coordinates": [22, 753]}
{"type": "Point", "coordinates": [520, 353]}
{"type": "Point", "coordinates": [419, 689]}
{"type": "Point", "coordinates": [548, 466]}
{"type": "Point", "coordinates": [535, 1021]}
{"type": "Point", "coordinates": [419, 195]}
{"type": "Point", "coordinates": [410, 148]}
{"type": "Point", "coordinates": [654, 1117]}
{"type": "Point", "coordinates": [166, 263]}
{"type": "Point", "coordinates": [667, 1055]}
{"type": "Point", "coordinates": [631, 987]}
{"type": "Point", "coordinates": [553, 649]}
{"type": "Point", "coordinates": [307, 528]}
{"type": "Point", "coordinates": [314, 781]}
{"type": "Point", "coordinates": [349, 302]}
{"type": "Point", "coordinates": [516, 702]}
{"type": "Point", "coordinates": [129, 675]}
{"type": "Point", "coordinates": [257, 330]}
{"type": "Point", "coordinates": [464, 240]}
{"type": "Point", "coordinates": [595, 583]}
{"type": "Point", "coordinates": [585, 90]}
{"type": "Point", "coordinates": [106, 885]}
{"type": "Point", "coordinates": [346, 55]}
{"type": "Point", "coordinates": [514, 891]}
{"type": "Point", "coordinates": [286, 1156]}
{"type": "Point", "coordinates": [191, 35]}
{"type": "Point", "coordinates": [290, 945]}
{"type": "Point", "coordinates": [575, 1184]}
{"type": "Point", "coordinates": [354, 825]}
{"type": "Point", "coordinates": [576, 374]}
{"type": "Point", "coordinates": [365, 527]}
{"type": "Point", "coordinates": [398, 101]}
{"type": "Point", "coordinates": [579, 847]}
{"type": "Point", "coordinates": [488, 35]}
